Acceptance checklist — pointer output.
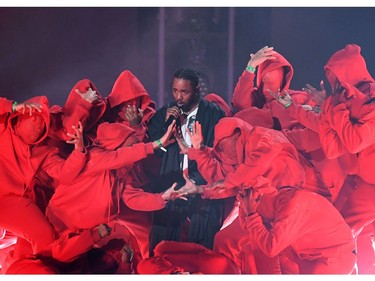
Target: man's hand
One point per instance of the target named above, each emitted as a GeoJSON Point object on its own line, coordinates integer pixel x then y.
{"type": "Point", "coordinates": [196, 136]}
{"type": "Point", "coordinates": [166, 140]}
{"type": "Point", "coordinates": [266, 53]}
{"type": "Point", "coordinates": [190, 187]}
{"type": "Point", "coordinates": [317, 96]}
{"type": "Point", "coordinates": [173, 111]}
{"type": "Point", "coordinates": [249, 200]}
{"type": "Point", "coordinates": [171, 194]}
{"type": "Point", "coordinates": [284, 99]}
{"type": "Point", "coordinates": [77, 137]}
{"type": "Point", "coordinates": [90, 96]}
{"type": "Point", "coordinates": [134, 115]}
{"type": "Point", "coordinates": [31, 106]}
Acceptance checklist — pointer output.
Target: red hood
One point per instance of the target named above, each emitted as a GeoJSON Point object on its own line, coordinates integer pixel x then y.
{"type": "Point", "coordinates": [249, 136]}
{"type": "Point", "coordinates": [43, 100]}
{"type": "Point", "coordinates": [349, 66]}
{"type": "Point", "coordinates": [73, 99]}
{"type": "Point", "coordinates": [256, 117]}
{"type": "Point", "coordinates": [226, 126]}
{"type": "Point", "coordinates": [127, 88]}
{"type": "Point", "coordinates": [212, 97]}
{"type": "Point", "coordinates": [270, 65]}
{"type": "Point", "coordinates": [112, 135]}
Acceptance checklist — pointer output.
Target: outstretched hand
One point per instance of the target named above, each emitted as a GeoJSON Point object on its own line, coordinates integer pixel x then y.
{"type": "Point", "coordinates": [285, 99]}
{"type": "Point", "coordinates": [190, 187]}
{"type": "Point", "coordinates": [196, 136]}
{"type": "Point", "coordinates": [171, 194]}
{"type": "Point", "coordinates": [317, 96]}
{"type": "Point", "coordinates": [166, 138]}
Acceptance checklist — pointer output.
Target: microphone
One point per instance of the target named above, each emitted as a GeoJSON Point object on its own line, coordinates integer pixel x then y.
{"type": "Point", "coordinates": [172, 117]}
{"type": "Point", "coordinates": [170, 120]}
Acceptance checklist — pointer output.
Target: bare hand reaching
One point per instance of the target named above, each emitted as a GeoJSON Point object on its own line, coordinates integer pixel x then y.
{"type": "Point", "coordinates": [171, 194]}
{"type": "Point", "coordinates": [285, 99]}
{"type": "Point", "coordinates": [165, 140]}
{"type": "Point", "coordinates": [317, 96]}
{"type": "Point", "coordinates": [190, 187]}
{"type": "Point", "coordinates": [196, 136]}
{"type": "Point", "coordinates": [77, 137]}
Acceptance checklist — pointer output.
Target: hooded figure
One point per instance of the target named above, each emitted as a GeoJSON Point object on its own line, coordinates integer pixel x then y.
{"type": "Point", "coordinates": [129, 91]}
{"type": "Point", "coordinates": [23, 153]}
{"type": "Point", "coordinates": [304, 226]}
{"type": "Point", "coordinates": [77, 109]}
{"type": "Point", "coordinates": [274, 75]}
{"type": "Point", "coordinates": [243, 155]}
{"type": "Point", "coordinates": [347, 131]}
{"type": "Point", "coordinates": [94, 197]}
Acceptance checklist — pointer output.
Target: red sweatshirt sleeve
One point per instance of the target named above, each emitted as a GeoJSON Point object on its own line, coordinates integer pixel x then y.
{"type": "Point", "coordinates": [123, 156]}
{"type": "Point", "coordinates": [285, 229]}
{"type": "Point", "coordinates": [70, 246]}
{"type": "Point", "coordinates": [138, 199]}
{"type": "Point", "coordinates": [63, 170]}
{"type": "Point", "coordinates": [241, 98]}
{"type": "Point", "coordinates": [208, 166]}
{"type": "Point", "coordinates": [307, 118]}
{"type": "Point", "coordinates": [303, 139]}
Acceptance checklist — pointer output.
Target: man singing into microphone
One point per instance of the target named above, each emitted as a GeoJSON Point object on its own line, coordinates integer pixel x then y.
{"type": "Point", "coordinates": [196, 220]}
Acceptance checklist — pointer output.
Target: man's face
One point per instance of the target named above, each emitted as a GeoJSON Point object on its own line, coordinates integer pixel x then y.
{"type": "Point", "coordinates": [185, 96]}
{"type": "Point", "coordinates": [272, 81]}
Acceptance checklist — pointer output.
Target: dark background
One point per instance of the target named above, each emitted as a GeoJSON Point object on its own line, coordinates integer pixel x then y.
{"type": "Point", "coordinates": [45, 51]}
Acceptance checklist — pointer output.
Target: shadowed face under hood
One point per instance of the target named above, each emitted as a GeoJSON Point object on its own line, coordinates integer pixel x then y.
{"type": "Point", "coordinates": [270, 65]}
{"type": "Point", "coordinates": [129, 90]}
{"type": "Point", "coordinates": [231, 135]}
{"type": "Point", "coordinates": [32, 129]}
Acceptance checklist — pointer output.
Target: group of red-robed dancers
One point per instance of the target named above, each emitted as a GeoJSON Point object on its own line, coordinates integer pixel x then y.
{"type": "Point", "coordinates": [280, 182]}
